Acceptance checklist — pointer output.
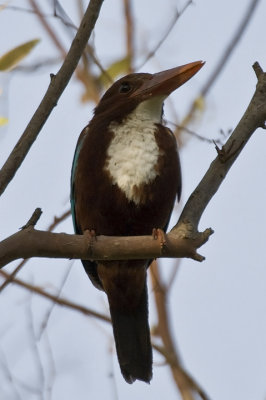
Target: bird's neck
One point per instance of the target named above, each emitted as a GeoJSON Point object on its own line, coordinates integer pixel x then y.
{"type": "Point", "coordinates": [149, 111]}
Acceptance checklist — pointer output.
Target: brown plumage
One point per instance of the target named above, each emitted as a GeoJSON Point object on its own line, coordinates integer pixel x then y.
{"type": "Point", "coordinates": [101, 203]}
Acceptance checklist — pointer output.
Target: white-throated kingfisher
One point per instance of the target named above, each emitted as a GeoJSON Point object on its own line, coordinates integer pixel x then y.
{"type": "Point", "coordinates": [125, 179]}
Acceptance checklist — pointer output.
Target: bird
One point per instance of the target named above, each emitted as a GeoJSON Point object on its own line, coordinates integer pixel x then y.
{"type": "Point", "coordinates": [125, 178]}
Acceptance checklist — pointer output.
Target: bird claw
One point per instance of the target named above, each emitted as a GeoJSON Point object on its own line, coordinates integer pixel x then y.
{"type": "Point", "coordinates": [159, 234]}
{"type": "Point", "coordinates": [91, 235]}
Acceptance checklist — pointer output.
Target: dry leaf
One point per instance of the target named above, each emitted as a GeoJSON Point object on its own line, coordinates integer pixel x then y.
{"type": "Point", "coordinates": [10, 59]}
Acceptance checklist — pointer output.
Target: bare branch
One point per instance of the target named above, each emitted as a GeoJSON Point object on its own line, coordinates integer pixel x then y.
{"type": "Point", "coordinates": [58, 220]}
{"type": "Point", "coordinates": [198, 136]}
{"type": "Point", "coordinates": [35, 243]}
{"type": "Point", "coordinates": [60, 301]}
{"type": "Point", "coordinates": [129, 32]}
{"type": "Point", "coordinates": [34, 348]}
{"type": "Point", "coordinates": [9, 376]}
{"type": "Point", "coordinates": [63, 18]}
{"type": "Point", "coordinates": [231, 46]}
{"type": "Point", "coordinates": [253, 118]}
{"type": "Point", "coordinates": [223, 60]}
{"type": "Point", "coordinates": [53, 93]}
{"type": "Point", "coordinates": [51, 370]}
{"type": "Point", "coordinates": [51, 308]}
{"type": "Point", "coordinates": [257, 69]}
{"type": "Point", "coordinates": [177, 15]}
{"type": "Point", "coordinates": [33, 219]}
{"type": "Point", "coordinates": [48, 28]}
{"type": "Point", "coordinates": [11, 276]}
{"type": "Point", "coordinates": [186, 384]}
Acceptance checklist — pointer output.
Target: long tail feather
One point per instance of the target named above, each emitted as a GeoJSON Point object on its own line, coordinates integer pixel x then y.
{"type": "Point", "coordinates": [132, 338]}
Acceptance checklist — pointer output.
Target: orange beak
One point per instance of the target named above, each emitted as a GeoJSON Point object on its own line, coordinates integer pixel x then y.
{"type": "Point", "coordinates": [165, 82]}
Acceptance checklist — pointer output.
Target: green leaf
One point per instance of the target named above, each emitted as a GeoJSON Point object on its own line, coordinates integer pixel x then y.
{"type": "Point", "coordinates": [117, 68]}
{"type": "Point", "coordinates": [10, 59]}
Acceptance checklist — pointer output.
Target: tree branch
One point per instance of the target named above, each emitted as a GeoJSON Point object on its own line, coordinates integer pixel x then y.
{"type": "Point", "coordinates": [253, 118]}
{"type": "Point", "coordinates": [54, 91]}
{"type": "Point", "coordinates": [177, 15]}
{"type": "Point", "coordinates": [231, 46]}
{"type": "Point", "coordinates": [58, 300]}
{"type": "Point", "coordinates": [35, 243]}
{"type": "Point", "coordinates": [185, 382]}
{"type": "Point", "coordinates": [225, 56]}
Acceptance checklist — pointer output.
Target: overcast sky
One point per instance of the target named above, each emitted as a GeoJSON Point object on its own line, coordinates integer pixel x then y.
{"type": "Point", "coordinates": [218, 307]}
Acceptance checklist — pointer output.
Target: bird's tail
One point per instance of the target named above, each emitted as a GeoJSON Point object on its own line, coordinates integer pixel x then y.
{"type": "Point", "coordinates": [132, 338]}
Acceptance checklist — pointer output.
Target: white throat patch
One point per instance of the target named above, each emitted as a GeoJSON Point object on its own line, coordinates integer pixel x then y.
{"type": "Point", "coordinates": [133, 152]}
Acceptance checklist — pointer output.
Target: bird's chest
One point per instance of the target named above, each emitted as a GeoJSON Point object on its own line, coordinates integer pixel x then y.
{"type": "Point", "coordinates": [132, 157]}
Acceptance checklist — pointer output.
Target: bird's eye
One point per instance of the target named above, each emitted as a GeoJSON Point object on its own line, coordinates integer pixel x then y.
{"type": "Point", "coordinates": [124, 87]}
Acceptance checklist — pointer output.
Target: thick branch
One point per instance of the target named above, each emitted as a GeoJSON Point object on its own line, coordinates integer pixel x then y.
{"type": "Point", "coordinates": [253, 118]}
{"type": "Point", "coordinates": [34, 243]}
{"type": "Point", "coordinates": [54, 91]}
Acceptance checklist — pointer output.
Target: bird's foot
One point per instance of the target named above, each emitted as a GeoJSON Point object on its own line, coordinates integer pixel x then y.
{"type": "Point", "coordinates": [91, 235]}
{"type": "Point", "coordinates": [159, 234]}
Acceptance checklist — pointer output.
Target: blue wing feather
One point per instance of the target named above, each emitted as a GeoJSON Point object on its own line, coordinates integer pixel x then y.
{"type": "Point", "coordinates": [72, 181]}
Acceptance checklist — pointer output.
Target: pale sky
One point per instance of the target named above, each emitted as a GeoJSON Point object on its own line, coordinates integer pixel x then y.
{"type": "Point", "coordinates": [218, 307]}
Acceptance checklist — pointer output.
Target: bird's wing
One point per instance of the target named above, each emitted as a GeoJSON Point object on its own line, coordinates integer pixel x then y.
{"type": "Point", "coordinates": [72, 182]}
{"type": "Point", "coordinates": [89, 266]}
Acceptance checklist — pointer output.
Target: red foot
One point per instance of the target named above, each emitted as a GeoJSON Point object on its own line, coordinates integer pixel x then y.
{"type": "Point", "coordinates": [91, 235]}
{"type": "Point", "coordinates": [159, 234]}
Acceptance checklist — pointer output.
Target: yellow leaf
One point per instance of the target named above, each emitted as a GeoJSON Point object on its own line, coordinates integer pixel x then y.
{"type": "Point", "coordinates": [117, 68]}
{"type": "Point", "coordinates": [3, 121]}
{"type": "Point", "coordinates": [199, 103]}
{"type": "Point", "coordinates": [10, 59]}
{"type": "Point", "coordinates": [3, 6]}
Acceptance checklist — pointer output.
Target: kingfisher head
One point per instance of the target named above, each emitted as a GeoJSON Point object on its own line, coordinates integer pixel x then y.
{"type": "Point", "coordinates": [147, 90]}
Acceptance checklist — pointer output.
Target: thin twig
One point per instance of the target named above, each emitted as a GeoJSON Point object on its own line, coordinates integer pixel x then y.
{"type": "Point", "coordinates": [186, 384]}
{"type": "Point", "coordinates": [223, 59]}
{"type": "Point", "coordinates": [197, 135]}
{"type": "Point", "coordinates": [7, 372]}
{"type": "Point", "coordinates": [52, 226]}
{"type": "Point", "coordinates": [171, 279]}
{"type": "Point", "coordinates": [253, 118]}
{"type": "Point", "coordinates": [33, 219]}
{"type": "Point", "coordinates": [257, 69]}
{"type": "Point", "coordinates": [92, 54]}
{"type": "Point", "coordinates": [230, 47]}
{"type": "Point", "coordinates": [60, 13]}
{"type": "Point", "coordinates": [60, 301]}
{"type": "Point", "coordinates": [48, 28]}
{"type": "Point", "coordinates": [50, 310]}
{"type": "Point", "coordinates": [176, 16]}
{"type": "Point", "coordinates": [39, 369]}
{"type": "Point", "coordinates": [36, 66]}
{"type": "Point", "coordinates": [50, 99]}
{"type": "Point", "coordinates": [32, 222]}
{"type": "Point", "coordinates": [14, 273]}
{"type": "Point", "coordinates": [68, 23]}
{"type": "Point", "coordinates": [129, 24]}
{"type": "Point", "coordinates": [51, 370]}
{"type": "Point", "coordinates": [58, 220]}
